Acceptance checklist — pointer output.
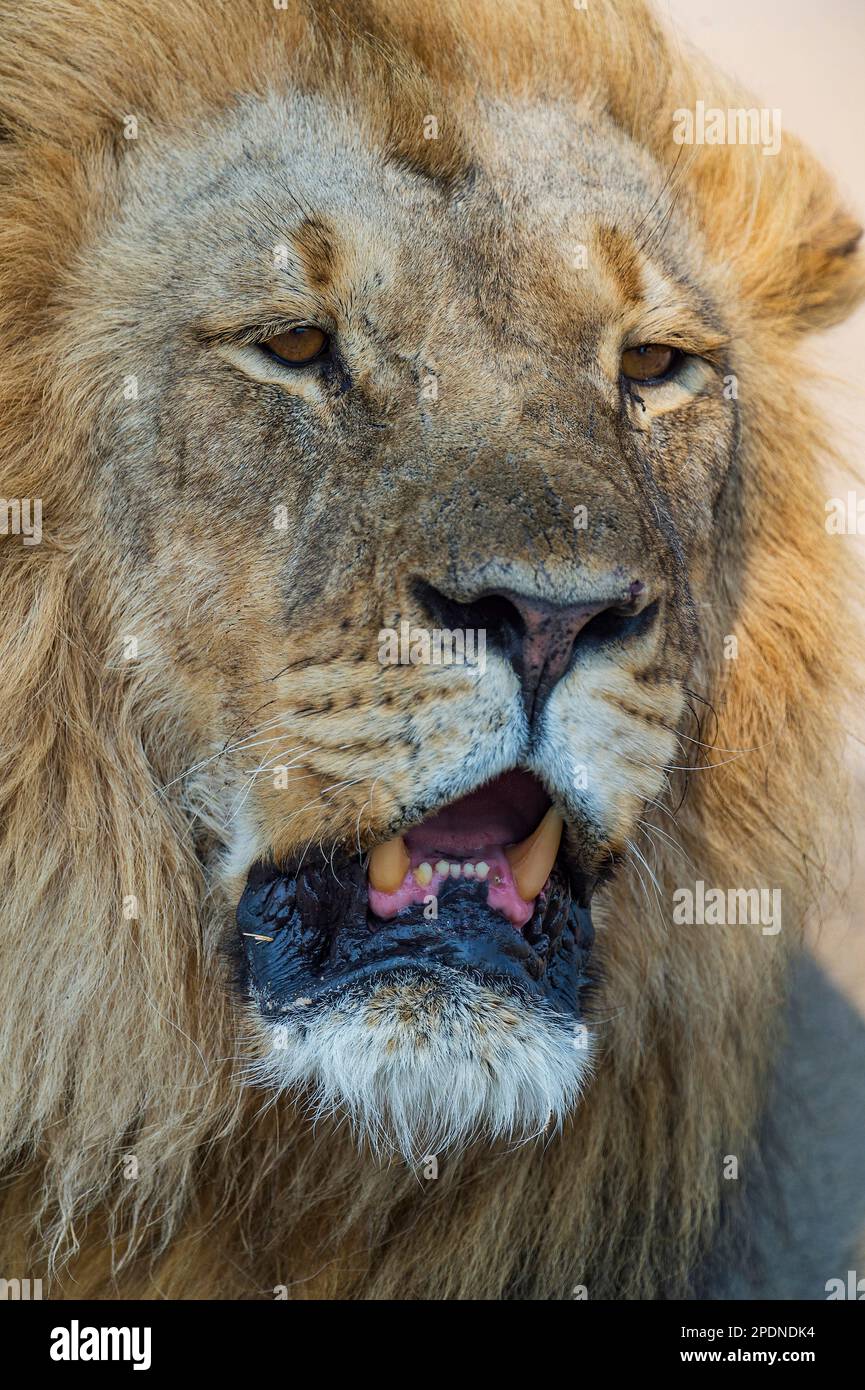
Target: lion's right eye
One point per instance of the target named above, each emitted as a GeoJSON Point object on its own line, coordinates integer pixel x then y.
{"type": "Point", "coordinates": [649, 362]}
{"type": "Point", "coordinates": [299, 346]}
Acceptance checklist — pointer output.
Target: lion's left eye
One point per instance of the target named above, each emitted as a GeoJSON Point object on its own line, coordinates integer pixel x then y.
{"type": "Point", "coordinates": [650, 362]}
{"type": "Point", "coordinates": [298, 346]}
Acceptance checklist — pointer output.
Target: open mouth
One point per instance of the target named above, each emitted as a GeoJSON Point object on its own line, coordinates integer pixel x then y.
{"type": "Point", "coordinates": [481, 886]}
{"type": "Point", "coordinates": [504, 837]}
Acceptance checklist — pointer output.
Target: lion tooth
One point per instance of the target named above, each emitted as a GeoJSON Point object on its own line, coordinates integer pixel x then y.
{"type": "Point", "coordinates": [455, 870]}
{"type": "Point", "coordinates": [423, 874]}
{"type": "Point", "coordinates": [482, 869]}
{"type": "Point", "coordinates": [532, 859]}
{"type": "Point", "coordinates": [443, 868]}
{"type": "Point", "coordinates": [388, 865]}
{"type": "Point", "coordinates": [468, 870]}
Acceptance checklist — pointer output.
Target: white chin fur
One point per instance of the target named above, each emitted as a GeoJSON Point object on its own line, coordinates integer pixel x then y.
{"type": "Point", "coordinates": [425, 1064]}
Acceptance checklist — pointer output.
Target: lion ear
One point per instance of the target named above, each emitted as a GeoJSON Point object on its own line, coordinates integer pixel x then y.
{"type": "Point", "coordinates": [805, 263]}
{"type": "Point", "coordinates": [774, 216]}
{"type": "Point", "coordinates": [829, 271]}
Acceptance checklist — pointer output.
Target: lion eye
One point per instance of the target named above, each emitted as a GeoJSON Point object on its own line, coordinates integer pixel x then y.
{"type": "Point", "coordinates": [298, 346]}
{"type": "Point", "coordinates": [649, 362]}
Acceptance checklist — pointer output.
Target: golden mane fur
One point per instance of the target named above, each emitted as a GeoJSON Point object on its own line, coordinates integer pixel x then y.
{"type": "Point", "coordinates": [118, 1038]}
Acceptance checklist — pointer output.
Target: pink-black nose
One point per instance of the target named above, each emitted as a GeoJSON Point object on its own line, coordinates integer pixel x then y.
{"type": "Point", "coordinates": [541, 639]}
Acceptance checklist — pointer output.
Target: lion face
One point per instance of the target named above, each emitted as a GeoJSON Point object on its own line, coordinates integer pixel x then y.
{"type": "Point", "coordinates": [427, 600]}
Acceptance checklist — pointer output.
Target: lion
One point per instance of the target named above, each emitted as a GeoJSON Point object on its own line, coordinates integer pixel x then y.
{"type": "Point", "coordinates": [431, 598]}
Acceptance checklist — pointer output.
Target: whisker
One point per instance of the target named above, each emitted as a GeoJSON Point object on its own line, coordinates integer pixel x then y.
{"type": "Point", "coordinates": [716, 747]}
{"type": "Point", "coordinates": [648, 867]}
{"type": "Point", "coordinates": [228, 748]}
{"type": "Point", "coordinates": [656, 830]}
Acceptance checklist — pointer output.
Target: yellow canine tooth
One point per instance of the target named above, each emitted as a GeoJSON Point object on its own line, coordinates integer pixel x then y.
{"type": "Point", "coordinates": [532, 859]}
{"type": "Point", "coordinates": [388, 865]}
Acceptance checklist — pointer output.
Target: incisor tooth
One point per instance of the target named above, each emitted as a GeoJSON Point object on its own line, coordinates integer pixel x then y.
{"type": "Point", "coordinates": [443, 868]}
{"type": "Point", "coordinates": [482, 869]}
{"type": "Point", "coordinates": [388, 865]}
{"type": "Point", "coordinates": [533, 858]}
{"type": "Point", "coordinates": [423, 874]}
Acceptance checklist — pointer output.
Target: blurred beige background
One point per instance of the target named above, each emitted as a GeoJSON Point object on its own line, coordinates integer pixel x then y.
{"type": "Point", "coordinates": [807, 59]}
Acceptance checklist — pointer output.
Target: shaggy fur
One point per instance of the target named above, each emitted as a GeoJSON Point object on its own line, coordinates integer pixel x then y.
{"type": "Point", "coordinates": [385, 1058]}
{"type": "Point", "coordinates": [136, 1160]}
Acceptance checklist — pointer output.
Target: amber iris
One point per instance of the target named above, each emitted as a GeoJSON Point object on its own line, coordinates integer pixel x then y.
{"type": "Point", "coordinates": [649, 362]}
{"type": "Point", "coordinates": [299, 345]}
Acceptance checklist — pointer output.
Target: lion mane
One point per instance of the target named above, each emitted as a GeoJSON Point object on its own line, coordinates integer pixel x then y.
{"type": "Point", "coordinates": [136, 1162]}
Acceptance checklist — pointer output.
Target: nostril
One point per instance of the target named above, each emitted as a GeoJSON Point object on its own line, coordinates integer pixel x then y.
{"type": "Point", "coordinates": [616, 624]}
{"type": "Point", "coordinates": [492, 613]}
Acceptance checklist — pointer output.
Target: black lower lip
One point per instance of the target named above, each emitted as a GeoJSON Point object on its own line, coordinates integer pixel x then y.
{"type": "Point", "coordinates": [307, 932]}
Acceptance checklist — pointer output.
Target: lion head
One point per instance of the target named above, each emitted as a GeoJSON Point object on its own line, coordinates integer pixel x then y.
{"type": "Point", "coordinates": [429, 502]}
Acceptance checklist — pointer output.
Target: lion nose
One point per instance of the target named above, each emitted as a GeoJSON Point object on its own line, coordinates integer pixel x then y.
{"type": "Point", "coordinates": [541, 639]}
